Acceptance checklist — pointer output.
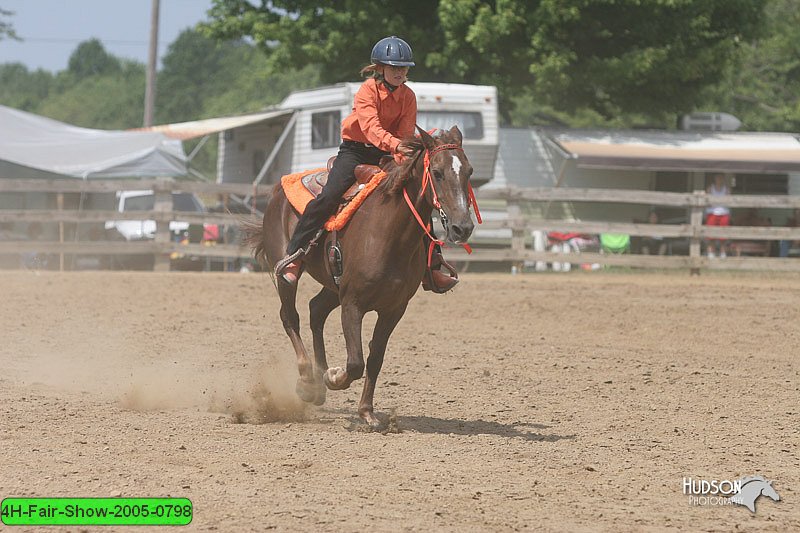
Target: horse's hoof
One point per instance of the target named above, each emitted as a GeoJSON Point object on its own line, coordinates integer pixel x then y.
{"type": "Point", "coordinates": [319, 399]}
{"type": "Point", "coordinates": [306, 391]}
{"type": "Point", "coordinates": [371, 420]}
{"type": "Point", "coordinates": [335, 378]}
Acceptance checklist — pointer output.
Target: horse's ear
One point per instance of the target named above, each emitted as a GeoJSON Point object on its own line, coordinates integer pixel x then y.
{"type": "Point", "coordinates": [455, 133]}
{"type": "Point", "coordinates": [427, 140]}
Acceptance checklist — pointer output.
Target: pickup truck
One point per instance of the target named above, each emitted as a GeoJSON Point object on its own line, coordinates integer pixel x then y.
{"type": "Point", "coordinates": [136, 230]}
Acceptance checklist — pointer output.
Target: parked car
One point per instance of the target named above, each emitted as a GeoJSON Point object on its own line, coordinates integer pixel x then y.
{"type": "Point", "coordinates": [138, 230]}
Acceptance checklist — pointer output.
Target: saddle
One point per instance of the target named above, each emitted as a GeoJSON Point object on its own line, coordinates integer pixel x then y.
{"type": "Point", "coordinates": [315, 181]}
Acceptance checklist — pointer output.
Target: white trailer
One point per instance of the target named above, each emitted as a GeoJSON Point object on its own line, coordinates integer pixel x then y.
{"type": "Point", "coordinates": [305, 130]}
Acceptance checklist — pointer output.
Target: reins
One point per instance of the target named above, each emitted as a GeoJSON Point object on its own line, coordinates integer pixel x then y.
{"type": "Point", "coordinates": [428, 180]}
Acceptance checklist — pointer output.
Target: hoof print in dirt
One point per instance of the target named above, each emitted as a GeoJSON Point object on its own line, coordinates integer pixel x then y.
{"type": "Point", "coordinates": [386, 426]}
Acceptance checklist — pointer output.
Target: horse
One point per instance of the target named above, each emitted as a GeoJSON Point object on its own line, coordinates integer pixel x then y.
{"type": "Point", "coordinates": [384, 259]}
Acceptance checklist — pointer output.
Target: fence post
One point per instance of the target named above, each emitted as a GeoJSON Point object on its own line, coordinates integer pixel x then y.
{"type": "Point", "coordinates": [162, 192]}
{"type": "Point", "coordinates": [517, 235]}
{"type": "Point", "coordinates": [696, 222]}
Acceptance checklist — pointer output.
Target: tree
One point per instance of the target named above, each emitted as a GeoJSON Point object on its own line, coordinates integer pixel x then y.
{"type": "Point", "coordinates": [336, 35]}
{"type": "Point", "coordinates": [646, 58]}
{"type": "Point", "coordinates": [762, 88]}
{"type": "Point", "coordinates": [6, 28]}
{"type": "Point", "coordinates": [203, 78]}
{"type": "Point", "coordinates": [197, 70]}
{"type": "Point", "coordinates": [91, 59]}
{"type": "Point", "coordinates": [22, 89]}
{"type": "Point", "coordinates": [108, 101]}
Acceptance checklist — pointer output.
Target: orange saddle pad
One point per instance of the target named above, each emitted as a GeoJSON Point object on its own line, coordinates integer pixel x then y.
{"type": "Point", "coordinates": [302, 187]}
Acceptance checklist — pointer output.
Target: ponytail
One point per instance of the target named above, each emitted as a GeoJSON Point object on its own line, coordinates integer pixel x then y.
{"type": "Point", "coordinates": [371, 71]}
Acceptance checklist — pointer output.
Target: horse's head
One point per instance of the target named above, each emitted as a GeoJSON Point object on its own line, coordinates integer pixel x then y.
{"type": "Point", "coordinates": [448, 171]}
{"type": "Point", "coordinates": [768, 491]}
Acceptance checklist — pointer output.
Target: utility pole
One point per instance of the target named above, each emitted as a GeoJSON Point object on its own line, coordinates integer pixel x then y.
{"type": "Point", "coordinates": [152, 63]}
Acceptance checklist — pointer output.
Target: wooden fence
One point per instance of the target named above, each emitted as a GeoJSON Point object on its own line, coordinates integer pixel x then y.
{"type": "Point", "coordinates": [514, 253]}
{"type": "Point", "coordinates": [694, 231]}
{"type": "Point", "coordinates": [162, 246]}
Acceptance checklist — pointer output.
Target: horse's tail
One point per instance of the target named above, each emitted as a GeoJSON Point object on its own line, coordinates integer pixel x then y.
{"type": "Point", "coordinates": [253, 236]}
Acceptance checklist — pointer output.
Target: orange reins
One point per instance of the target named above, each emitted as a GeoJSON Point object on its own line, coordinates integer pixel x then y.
{"type": "Point", "coordinates": [427, 180]}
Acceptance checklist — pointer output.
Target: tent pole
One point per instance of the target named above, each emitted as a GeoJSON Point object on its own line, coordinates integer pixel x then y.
{"type": "Point", "coordinates": [273, 154]}
{"type": "Point", "coordinates": [557, 184]}
{"type": "Point", "coordinates": [197, 148]}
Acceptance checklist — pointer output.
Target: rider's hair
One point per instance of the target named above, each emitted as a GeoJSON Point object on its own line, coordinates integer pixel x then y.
{"type": "Point", "coordinates": [371, 71]}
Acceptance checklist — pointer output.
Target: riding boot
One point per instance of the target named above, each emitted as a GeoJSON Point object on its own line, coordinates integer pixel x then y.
{"type": "Point", "coordinates": [290, 267]}
{"type": "Point", "coordinates": [436, 280]}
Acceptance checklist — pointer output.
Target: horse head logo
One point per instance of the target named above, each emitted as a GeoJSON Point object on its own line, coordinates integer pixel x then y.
{"type": "Point", "coordinates": [752, 488]}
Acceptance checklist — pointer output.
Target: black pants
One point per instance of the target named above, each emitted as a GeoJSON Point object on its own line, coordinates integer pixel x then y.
{"type": "Point", "coordinates": [340, 179]}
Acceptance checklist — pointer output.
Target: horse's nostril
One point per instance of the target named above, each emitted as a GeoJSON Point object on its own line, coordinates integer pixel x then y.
{"type": "Point", "coordinates": [461, 232]}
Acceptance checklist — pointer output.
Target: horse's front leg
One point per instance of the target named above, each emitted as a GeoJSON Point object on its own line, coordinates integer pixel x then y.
{"type": "Point", "coordinates": [384, 327]}
{"type": "Point", "coordinates": [291, 323]}
{"type": "Point", "coordinates": [338, 378]}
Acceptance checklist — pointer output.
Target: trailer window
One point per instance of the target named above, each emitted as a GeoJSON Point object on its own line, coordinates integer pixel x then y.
{"type": "Point", "coordinates": [470, 123]}
{"type": "Point", "coordinates": [761, 184]}
{"type": "Point", "coordinates": [325, 128]}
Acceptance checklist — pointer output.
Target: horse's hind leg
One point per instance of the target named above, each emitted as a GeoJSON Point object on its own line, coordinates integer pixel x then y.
{"type": "Point", "coordinates": [320, 307]}
{"type": "Point", "coordinates": [338, 378]}
{"type": "Point", "coordinates": [377, 348]}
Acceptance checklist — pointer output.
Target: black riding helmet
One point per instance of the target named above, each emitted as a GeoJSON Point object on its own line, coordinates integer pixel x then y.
{"type": "Point", "coordinates": [392, 51]}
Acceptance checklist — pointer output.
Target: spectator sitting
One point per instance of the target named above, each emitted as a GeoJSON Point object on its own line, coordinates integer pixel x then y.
{"type": "Point", "coordinates": [752, 218]}
{"type": "Point", "coordinates": [653, 245]}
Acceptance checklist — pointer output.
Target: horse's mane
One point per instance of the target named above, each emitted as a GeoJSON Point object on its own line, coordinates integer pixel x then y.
{"type": "Point", "coordinates": [399, 175]}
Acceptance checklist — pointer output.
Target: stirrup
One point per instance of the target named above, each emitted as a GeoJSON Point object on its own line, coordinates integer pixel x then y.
{"type": "Point", "coordinates": [437, 281]}
{"type": "Point", "coordinates": [291, 277]}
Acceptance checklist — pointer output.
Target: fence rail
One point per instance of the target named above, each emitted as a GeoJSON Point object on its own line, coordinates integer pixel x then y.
{"type": "Point", "coordinates": [695, 203]}
{"type": "Point", "coordinates": [516, 200]}
{"type": "Point", "coordinates": [161, 247]}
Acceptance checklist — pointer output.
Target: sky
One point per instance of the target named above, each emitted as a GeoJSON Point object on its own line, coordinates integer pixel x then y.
{"type": "Point", "coordinates": [52, 29]}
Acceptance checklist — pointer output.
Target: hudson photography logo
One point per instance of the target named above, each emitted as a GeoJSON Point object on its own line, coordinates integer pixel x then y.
{"type": "Point", "coordinates": [744, 491]}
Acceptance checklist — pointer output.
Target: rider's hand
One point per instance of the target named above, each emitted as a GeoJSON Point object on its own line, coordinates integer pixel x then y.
{"type": "Point", "coordinates": [399, 158]}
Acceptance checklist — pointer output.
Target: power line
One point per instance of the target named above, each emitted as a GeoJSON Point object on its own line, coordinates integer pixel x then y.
{"type": "Point", "coordinates": [70, 40]}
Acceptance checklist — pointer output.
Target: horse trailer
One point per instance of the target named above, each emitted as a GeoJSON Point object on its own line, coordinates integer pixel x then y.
{"type": "Point", "coordinates": [304, 130]}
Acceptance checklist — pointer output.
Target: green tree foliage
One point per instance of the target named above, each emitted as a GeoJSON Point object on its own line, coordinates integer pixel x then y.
{"type": "Point", "coordinates": [22, 89]}
{"type": "Point", "coordinates": [762, 88]}
{"type": "Point", "coordinates": [337, 35]}
{"type": "Point", "coordinates": [108, 101]}
{"type": "Point", "coordinates": [6, 28]}
{"type": "Point", "coordinates": [200, 78]}
{"type": "Point", "coordinates": [91, 59]}
{"type": "Point", "coordinates": [601, 58]}
{"type": "Point", "coordinates": [203, 78]}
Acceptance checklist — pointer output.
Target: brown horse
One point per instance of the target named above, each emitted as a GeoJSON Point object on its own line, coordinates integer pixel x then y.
{"type": "Point", "coordinates": [384, 260]}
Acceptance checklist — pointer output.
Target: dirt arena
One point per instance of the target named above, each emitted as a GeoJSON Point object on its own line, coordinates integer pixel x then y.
{"type": "Point", "coordinates": [556, 402]}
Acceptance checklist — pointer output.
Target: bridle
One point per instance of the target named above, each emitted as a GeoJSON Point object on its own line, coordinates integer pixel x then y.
{"type": "Point", "coordinates": [427, 180]}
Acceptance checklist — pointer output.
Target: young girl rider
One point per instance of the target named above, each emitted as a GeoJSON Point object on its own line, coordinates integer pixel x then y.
{"type": "Point", "coordinates": [384, 113]}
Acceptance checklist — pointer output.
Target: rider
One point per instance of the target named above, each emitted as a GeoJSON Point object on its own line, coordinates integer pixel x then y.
{"type": "Point", "coordinates": [384, 112]}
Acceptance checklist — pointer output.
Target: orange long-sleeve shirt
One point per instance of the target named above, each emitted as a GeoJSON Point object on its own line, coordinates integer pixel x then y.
{"type": "Point", "coordinates": [380, 117]}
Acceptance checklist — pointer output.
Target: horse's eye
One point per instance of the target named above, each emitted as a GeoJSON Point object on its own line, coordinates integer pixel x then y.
{"type": "Point", "coordinates": [438, 175]}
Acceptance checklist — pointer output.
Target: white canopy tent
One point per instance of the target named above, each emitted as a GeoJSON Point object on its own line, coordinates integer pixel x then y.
{"type": "Point", "coordinates": [680, 151]}
{"type": "Point", "coordinates": [36, 146]}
